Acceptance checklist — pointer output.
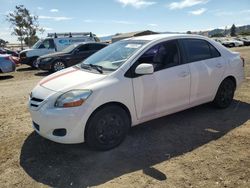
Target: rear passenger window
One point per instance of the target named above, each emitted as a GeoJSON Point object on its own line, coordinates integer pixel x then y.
{"type": "Point", "coordinates": [83, 48]}
{"type": "Point", "coordinates": [214, 51]}
{"type": "Point", "coordinates": [96, 47]}
{"type": "Point", "coordinates": [197, 49]}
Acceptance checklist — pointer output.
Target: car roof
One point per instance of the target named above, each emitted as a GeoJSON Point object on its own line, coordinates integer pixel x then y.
{"type": "Point", "coordinates": [165, 36]}
{"type": "Point", "coordinates": [89, 42]}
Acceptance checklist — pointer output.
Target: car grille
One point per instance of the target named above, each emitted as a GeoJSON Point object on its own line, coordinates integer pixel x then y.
{"type": "Point", "coordinates": [35, 102]}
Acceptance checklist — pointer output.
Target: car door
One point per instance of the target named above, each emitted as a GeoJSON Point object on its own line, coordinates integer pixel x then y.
{"type": "Point", "coordinates": [47, 47]}
{"type": "Point", "coordinates": [207, 67]}
{"type": "Point", "coordinates": [165, 91]}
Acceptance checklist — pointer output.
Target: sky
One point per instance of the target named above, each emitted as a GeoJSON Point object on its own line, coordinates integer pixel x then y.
{"type": "Point", "coordinates": [107, 17]}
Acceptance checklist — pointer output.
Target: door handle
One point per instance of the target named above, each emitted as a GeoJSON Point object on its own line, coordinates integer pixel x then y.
{"type": "Point", "coordinates": [218, 65]}
{"type": "Point", "coordinates": [183, 74]}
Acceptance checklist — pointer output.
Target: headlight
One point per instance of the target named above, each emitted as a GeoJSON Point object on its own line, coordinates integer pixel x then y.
{"type": "Point", "coordinates": [72, 98]}
{"type": "Point", "coordinates": [47, 59]}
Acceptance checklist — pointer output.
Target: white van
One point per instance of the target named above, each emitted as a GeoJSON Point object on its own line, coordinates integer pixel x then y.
{"type": "Point", "coordinates": [55, 42]}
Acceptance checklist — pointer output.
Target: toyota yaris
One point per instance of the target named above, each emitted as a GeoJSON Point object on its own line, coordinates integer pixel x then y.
{"type": "Point", "coordinates": [130, 82]}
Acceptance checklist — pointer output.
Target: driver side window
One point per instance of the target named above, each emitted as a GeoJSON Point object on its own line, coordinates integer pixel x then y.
{"type": "Point", "coordinates": [162, 56]}
{"type": "Point", "coordinates": [48, 44]}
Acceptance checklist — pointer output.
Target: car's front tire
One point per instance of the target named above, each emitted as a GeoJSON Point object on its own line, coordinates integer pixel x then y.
{"type": "Point", "coordinates": [58, 65]}
{"type": "Point", "coordinates": [225, 94]}
{"type": "Point", "coordinates": [107, 127]}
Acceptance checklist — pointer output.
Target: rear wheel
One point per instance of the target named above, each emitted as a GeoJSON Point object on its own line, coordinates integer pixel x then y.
{"type": "Point", "coordinates": [107, 128]}
{"type": "Point", "coordinates": [225, 94]}
{"type": "Point", "coordinates": [58, 65]}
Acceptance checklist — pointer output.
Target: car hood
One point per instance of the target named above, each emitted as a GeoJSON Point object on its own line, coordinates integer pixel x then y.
{"type": "Point", "coordinates": [70, 78]}
{"type": "Point", "coordinates": [56, 54]}
{"type": "Point", "coordinates": [27, 50]}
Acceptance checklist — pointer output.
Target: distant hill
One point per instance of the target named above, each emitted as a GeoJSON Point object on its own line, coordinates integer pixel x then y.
{"type": "Point", "coordinates": [227, 31]}
{"type": "Point", "coordinates": [209, 32]}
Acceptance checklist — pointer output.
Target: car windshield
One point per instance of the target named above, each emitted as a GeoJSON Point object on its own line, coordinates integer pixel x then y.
{"type": "Point", "coordinates": [113, 56]}
{"type": "Point", "coordinates": [37, 44]}
{"type": "Point", "coordinates": [70, 48]}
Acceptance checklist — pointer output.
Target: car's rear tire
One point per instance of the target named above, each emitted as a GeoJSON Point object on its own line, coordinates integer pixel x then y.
{"type": "Point", "coordinates": [225, 94]}
{"type": "Point", "coordinates": [58, 65]}
{"type": "Point", "coordinates": [107, 127]}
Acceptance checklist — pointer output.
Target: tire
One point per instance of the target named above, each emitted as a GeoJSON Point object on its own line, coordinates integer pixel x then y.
{"type": "Point", "coordinates": [32, 62]}
{"type": "Point", "coordinates": [58, 65]}
{"type": "Point", "coordinates": [232, 45]}
{"type": "Point", "coordinates": [107, 128]}
{"type": "Point", "coordinates": [225, 94]}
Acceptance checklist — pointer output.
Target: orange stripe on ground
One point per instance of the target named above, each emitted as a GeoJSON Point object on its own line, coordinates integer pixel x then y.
{"type": "Point", "coordinates": [54, 77]}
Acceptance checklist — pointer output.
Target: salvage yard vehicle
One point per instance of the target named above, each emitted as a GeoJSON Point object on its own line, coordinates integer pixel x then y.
{"type": "Point", "coordinates": [245, 40]}
{"type": "Point", "coordinates": [70, 56]}
{"type": "Point", "coordinates": [130, 82]}
{"type": "Point", "coordinates": [232, 43]}
{"type": "Point", "coordinates": [55, 42]}
{"type": "Point", "coordinates": [7, 64]}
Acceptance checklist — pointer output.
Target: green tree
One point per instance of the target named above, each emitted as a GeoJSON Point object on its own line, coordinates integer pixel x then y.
{"type": "Point", "coordinates": [3, 43]}
{"type": "Point", "coordinates": [189, 32]}
{"type": "Point", "coordinates": [24, 24]}
{"type": "Point", "coordinates": [31, 40]}
{"type": "Point", "coordinates": [233, 31]}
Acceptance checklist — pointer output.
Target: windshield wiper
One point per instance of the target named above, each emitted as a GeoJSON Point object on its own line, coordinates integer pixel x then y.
{"type": "Point", "coordinates": [97, 67]}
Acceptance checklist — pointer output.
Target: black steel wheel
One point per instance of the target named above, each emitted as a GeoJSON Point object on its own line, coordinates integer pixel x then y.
{"type": "Point", "coordinates": [225, 94]}
{"type": "Point", "coordinates": [107, 128]}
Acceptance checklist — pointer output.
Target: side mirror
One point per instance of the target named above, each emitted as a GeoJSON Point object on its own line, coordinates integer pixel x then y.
{"type": "Point", "coordinates": [144, 68]}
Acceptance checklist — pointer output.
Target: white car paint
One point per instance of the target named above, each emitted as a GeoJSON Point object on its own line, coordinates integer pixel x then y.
{"type": "Point", "coordinates": [146, 97]}
{"type": "Point", "coordinates": [234, 42]}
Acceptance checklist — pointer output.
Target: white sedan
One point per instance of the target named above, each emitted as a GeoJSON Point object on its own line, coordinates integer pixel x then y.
{"type": "Point", "coordinates": [232, 43]}
{"type": "Point", "coordinates": [130, 82]}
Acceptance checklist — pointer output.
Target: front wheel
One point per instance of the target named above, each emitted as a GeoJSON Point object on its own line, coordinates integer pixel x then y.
{"type": "Point", "coordinates": [225, 94]}
{"type": "Point", "coordinates": [107, 128]}
{"type": "Point", "coordinates": [58, 65]}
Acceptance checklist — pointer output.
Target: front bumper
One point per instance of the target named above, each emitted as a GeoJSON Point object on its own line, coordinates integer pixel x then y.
{"type": "Point", "coordinates": [25, 60]}
{"type": "Point", "coordinates": [48, 118]}
{"type": "Point", "coordinates": [51, 120]}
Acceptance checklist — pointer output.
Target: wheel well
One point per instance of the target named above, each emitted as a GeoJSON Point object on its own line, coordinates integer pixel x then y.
{"type": "Point", "coordinates": [109, 104]}
{"type": "Point", "coordinates": [232, 79]}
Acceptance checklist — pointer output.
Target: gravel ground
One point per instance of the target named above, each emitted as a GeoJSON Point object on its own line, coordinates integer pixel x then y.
{"type": "Point", "coordinates": [199, 147]}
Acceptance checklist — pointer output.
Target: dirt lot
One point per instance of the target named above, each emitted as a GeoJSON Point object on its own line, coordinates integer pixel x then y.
{"type": "Point", "coordinates": [200, 147]}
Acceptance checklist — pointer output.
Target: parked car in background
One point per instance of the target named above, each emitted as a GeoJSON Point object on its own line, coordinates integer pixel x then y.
{"type": "Point", "coordinates": [8, 51]}
{"type": "Point", "coordinates": [245, 40]}
{"type": "Point", "coordinates": [70, 56]}
{"type": "Point", "coordinates": [7, 64]}
{"type": "Point", "coordinates": [130, 82]}
{"type": "Point", "coordinates": [232, 43]}
{"type": "Point", "coordinates": [55, 42]}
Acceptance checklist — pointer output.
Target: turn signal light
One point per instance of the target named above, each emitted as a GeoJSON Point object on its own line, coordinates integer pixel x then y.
{"type": "Point", "coordinates": [73, 104]}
